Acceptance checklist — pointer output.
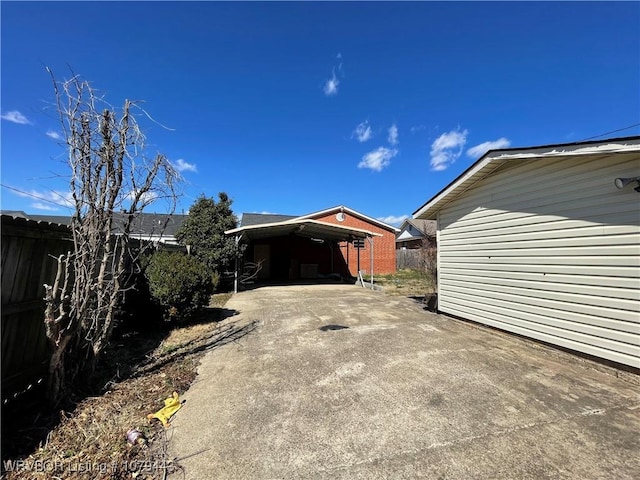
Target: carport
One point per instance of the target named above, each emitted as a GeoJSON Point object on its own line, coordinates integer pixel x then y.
{"type": "Point", "coordinates": [297, 249]}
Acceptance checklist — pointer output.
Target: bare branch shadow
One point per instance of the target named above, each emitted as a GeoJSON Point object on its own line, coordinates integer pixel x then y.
{"type": "Point", "coordinates": [222, 335]}
{"type": "Point", "coordinates": [26, 423]}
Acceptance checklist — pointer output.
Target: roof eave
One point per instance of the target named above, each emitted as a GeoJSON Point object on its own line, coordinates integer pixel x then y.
{"type": "Point", "coordinates": [430, 209]}
{"type": "Point", "coordinates": [243, 231]}
{"type": "Point", "coordinates": [491, 160]}
{"type": "Point", "coordinates": [354, 213]}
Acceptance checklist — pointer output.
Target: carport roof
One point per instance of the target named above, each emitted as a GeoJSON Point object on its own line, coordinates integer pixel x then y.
{"type": "Point", "coordinates": [301, 227]}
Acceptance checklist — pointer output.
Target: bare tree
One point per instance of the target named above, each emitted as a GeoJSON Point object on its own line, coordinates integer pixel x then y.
{"type": "Point", "coordinates": [429, 267]}
{"type": "Point", "coordinates": [111, 182]}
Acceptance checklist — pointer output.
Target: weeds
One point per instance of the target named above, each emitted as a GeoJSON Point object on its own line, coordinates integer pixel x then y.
{"type": "Point", "coordinates": [405, 282]}
{"type": "Point", "coordinates": [90, 441]}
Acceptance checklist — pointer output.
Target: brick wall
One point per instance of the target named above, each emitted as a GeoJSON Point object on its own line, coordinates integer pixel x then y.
{"type": "Point", "coordinates": [384, 248]}
{"type": "Point", "coordinates": [287, 254]}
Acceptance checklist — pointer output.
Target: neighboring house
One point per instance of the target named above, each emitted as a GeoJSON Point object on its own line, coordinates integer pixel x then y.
{"type": "Point", "coordinates": [154, 227]}
{"type": "Point", "coordinates": [336, 242]}
{"type": "Point", "coordinates": [413, 234]}
{"type": "Point", "coordinates": [55, 219]}
{"type": "Point", "coordinates": [544, 242]}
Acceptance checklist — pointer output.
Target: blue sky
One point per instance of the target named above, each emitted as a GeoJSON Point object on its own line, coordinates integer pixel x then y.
{"type": "Point", "coordinates": [297, 107]}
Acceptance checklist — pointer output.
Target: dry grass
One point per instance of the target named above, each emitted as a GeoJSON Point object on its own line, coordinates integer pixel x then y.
{"type": "Point", "coordinates": [405, 282]}
{"type": "Point", "coordinates": [181, 336]}
{"type": "Point", "coordinates": [90, 442]}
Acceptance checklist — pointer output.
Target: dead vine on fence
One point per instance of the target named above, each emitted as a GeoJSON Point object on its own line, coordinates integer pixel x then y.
{"type": "Point", "coordinates": [111, 181]}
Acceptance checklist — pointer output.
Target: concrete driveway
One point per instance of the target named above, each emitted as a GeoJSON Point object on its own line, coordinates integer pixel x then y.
{"type": "Point", "coordinates": [341, 382]}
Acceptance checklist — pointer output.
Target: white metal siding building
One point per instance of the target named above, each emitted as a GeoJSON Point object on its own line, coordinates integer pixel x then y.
{"type": "Point", "coordinates": [540, 242]}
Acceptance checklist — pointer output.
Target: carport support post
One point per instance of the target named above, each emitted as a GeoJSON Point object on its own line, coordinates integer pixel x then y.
{"type": "Point", "coordinates": [371, 258]}
{"type": "Point", "coordinates": [235, 275]}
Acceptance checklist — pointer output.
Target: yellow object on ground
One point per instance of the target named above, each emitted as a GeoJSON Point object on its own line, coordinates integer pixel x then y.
{"type": "Point", "coordinates": [171, 406]}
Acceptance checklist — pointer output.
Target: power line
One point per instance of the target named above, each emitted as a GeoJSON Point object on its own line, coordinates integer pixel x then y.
{"type": "Point", "coordinates": [612, 131]}
{"type": "Point", "coordinates": [27, 194]}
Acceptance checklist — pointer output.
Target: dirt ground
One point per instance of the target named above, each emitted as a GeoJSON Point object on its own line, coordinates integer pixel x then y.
{"type": "Point", "coordinates": [87, 438]}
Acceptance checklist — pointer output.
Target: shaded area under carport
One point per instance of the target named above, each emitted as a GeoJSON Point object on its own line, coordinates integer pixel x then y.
{"type": "Point", "coordinates": [297, 249]}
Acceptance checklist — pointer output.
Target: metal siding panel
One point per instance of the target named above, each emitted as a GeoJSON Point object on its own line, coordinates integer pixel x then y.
{"type": "Point", "coordinates": [625, 272]}
{"type": "Point", "coordinates": [625, 343]}
{"type": "Point", "coordinates": [558, 240]}
{"type": "Point", "coordinates": [530, 183]}
{"type": "Point", "coordinates": [555, 281]}
{"type": "Point", "coordinates": [618, 298]}
{"type": "Point", "coordinates": [548, 249]}
{"type": "Point", "coordinates": [498, 322]}
{"type": "Point", "coordinates": [491, 220]}
{"type": "Point", "coordinates": [541, 261]}
{"type": "Point", "coordinates": [554, 315]}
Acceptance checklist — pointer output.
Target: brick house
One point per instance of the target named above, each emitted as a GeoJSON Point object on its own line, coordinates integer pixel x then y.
{"type": "Point", "coordinates": [332, 243]}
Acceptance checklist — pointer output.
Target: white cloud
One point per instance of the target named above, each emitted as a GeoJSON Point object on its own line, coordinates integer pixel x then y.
{"type": "Point", "coordinates": [393, 220]}
{"type": "Point", "coordinates": [48, 199]}
{"type": "Point", "coordinates": [54, 135]}
{"type": "Point", "coordinates": [44, 206]}
{"type": "Point", "coordinates": [483, 148]}
{"type": "Point", "coordinates": [417, 129]}
{"type": "Point", "coordinates": [393, 134]}
{"type": "Point", "coordinates": [446, 149]}
{"type": "Point", "coordinates": [331, 85]}
{"type": "Point", "coordinates": [362, 132]}
{"type": "Point", "coordinates": [183, 166]}
{"type": "Point", "coordinates": [15, 117]}
{"type": "Point", "coordinates": [378, 159]}
{"type": "Point", "coordinates": [146, 198]}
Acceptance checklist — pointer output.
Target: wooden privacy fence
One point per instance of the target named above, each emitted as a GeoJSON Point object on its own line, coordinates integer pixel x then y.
{"type": "Point", "coordinates": [27, 264]}
{"type": "Point", "coordinates": [409, 258]}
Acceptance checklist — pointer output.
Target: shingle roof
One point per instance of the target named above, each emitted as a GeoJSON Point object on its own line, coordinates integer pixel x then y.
{"type": "Point", "coordinates": [427, 227]}
{"type": "Point", "coordinates": [53, 219]}
{"type": "Point", "coordinates": [152, 223]}
{"type": "Point", "coordinates": [14, 213]}
{"type": "Point", "coordinates": [144, 224]}
{"type": "Point", "coordinates": [59, 219]}
{"type": "Point", "coordinates": [15, 218]}
{"type": "Point", "coordinates": [249, 219]}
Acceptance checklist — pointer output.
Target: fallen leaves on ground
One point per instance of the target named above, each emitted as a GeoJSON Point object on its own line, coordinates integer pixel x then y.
{"type": "Point", "coordinates": [91, 442]}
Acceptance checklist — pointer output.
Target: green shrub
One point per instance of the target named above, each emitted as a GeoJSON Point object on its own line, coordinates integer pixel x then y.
{"type": "Point", "coordinates": [215, 281]}
{"type": "Point", "coordinates": [181, 284]}
{"type": "Point", "coordinates": [139, 312]}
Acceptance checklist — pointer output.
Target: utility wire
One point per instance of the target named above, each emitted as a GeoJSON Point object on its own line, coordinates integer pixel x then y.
{"type": "Point", "coordinates": [27, 194]}
{"type": "Point", "coordinates": [612, 131]}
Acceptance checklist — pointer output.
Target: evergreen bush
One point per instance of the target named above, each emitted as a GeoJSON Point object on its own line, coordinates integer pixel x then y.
{"type": "Point", "coordinates": [179, 283]}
